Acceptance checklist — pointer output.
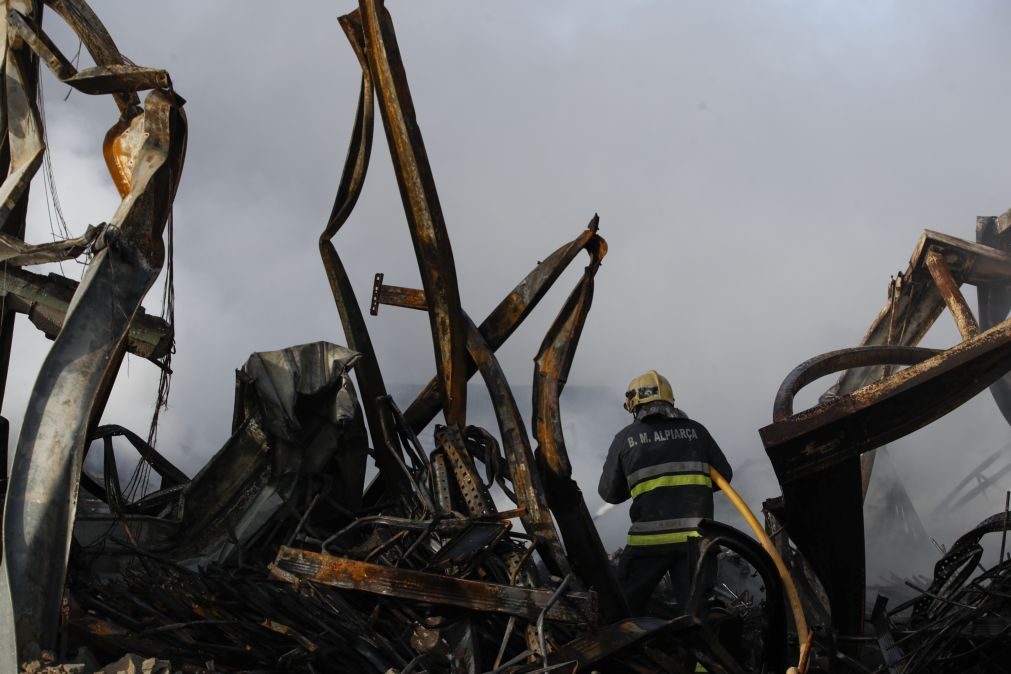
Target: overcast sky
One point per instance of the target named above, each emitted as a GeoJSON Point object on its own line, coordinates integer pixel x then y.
{"type": "Point", "coordinates": [760, 170]}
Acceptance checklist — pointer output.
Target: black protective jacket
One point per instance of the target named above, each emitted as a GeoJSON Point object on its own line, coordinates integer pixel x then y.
{"type": "Point", "coordinates": [662, 463]}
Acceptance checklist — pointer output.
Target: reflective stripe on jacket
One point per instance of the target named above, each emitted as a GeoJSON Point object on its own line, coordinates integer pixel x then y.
{"type": "Point", "coordinates": [662, 463]}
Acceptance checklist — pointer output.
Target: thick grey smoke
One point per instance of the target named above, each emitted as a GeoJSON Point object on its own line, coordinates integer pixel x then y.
{"type": "Point", "coordinates": [760, 170]}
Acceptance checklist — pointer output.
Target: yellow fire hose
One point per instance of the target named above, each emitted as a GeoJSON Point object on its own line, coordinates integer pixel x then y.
{"type": "Point", "coordinates": [803, 633]}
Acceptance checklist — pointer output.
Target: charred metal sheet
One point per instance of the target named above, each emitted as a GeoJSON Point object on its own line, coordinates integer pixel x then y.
{"type": "Point", "coordinates": [117, 79]}
{"type": "Point", "coordinates": [578, 607]}
{"type": "Point", "coordinates": [45, 300]}
{"type": "Point", "coordinates": [302, 431]}
{"type": "Point", "coordinates": [296, 414]}
{"type": "Point", "coordinates": [77, 375]}
{"type": "Point", "coordinates": [17, 253]}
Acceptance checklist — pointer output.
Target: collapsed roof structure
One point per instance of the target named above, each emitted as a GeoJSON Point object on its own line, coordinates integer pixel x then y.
{"type": "Point", "coordinates": [280, 554]}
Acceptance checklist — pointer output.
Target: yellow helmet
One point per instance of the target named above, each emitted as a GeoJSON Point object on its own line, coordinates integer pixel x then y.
{"type": "Point", "coordinates": [646, 388]}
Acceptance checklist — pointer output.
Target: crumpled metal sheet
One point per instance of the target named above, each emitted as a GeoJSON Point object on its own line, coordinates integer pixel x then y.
{"type": "Point", "coordinates": [296, 411]}
{"type": "Point", "coordinates": [272, 382]}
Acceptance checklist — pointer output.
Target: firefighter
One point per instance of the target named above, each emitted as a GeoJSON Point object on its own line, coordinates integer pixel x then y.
{"type": "Point", "coordinates": [661, 461]}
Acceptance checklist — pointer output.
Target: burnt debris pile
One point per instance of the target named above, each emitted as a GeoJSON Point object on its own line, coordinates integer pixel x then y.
{"type": "Point", "coordinates": [961, 622]}
{"type": "Point", "coordinates": [325, 536]}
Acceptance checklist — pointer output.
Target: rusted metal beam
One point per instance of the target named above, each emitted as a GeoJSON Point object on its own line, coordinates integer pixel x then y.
{"type": "Point", "coordinates": [815, 439]}
{"type": "Point", "coordinates": [115, 78]}
{"type": "Point", "coordinates": [507, 316]}
{"type": "Point", "coordinates": [552, 363]}
{"type": "Point", "coordinates": [477, 500]}
{"type": "Point", "coordinates": [526, 479]}
{"type": "Point", "coordinates": [971, 263]}
{"type": "Point", "coordinates": [911, 311]}
{"type": "Point", "coordinates": [499, 325]}
{"type": "Point", "coordinates": [994, 297]}
{"type": "Point", "coordinates": [11, 150]}
{"type": "Point", "coordinates": [835, 361]}
{"type": "Point", "coordinates": [948, 287]}
{"type": "Point", "coordinates": [396, 296]}
{"type": "Point", "coordinates": [421, 205]}
{"type": "Point", "coordinates": [389, 453]}
{"type": "Point", "coordinates": [292, 565]}
{"type": "Point", "coordinates": [45, 300]}
{"type": "Point", "coordinates": [100, 45]}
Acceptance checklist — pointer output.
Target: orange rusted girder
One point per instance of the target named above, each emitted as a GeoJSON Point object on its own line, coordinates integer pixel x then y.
{"type": "Point", "coordinates": [421, 205]}
{"type": "Point", "coordinates": [292, 564]}
{"type": "Point", "coordinates": [946, 284]}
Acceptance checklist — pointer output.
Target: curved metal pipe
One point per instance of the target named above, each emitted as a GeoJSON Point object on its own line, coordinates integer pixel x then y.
{"type": "Point", "coordinates": [836, 361]}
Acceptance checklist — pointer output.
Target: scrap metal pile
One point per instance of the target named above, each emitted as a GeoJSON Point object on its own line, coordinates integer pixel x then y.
{"type": "Point", "coordinates": [958, 624]}
{"type": "Point", "coordinates": [280, 555]}
{"type": "Point", "coordinates": [286, 552]}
